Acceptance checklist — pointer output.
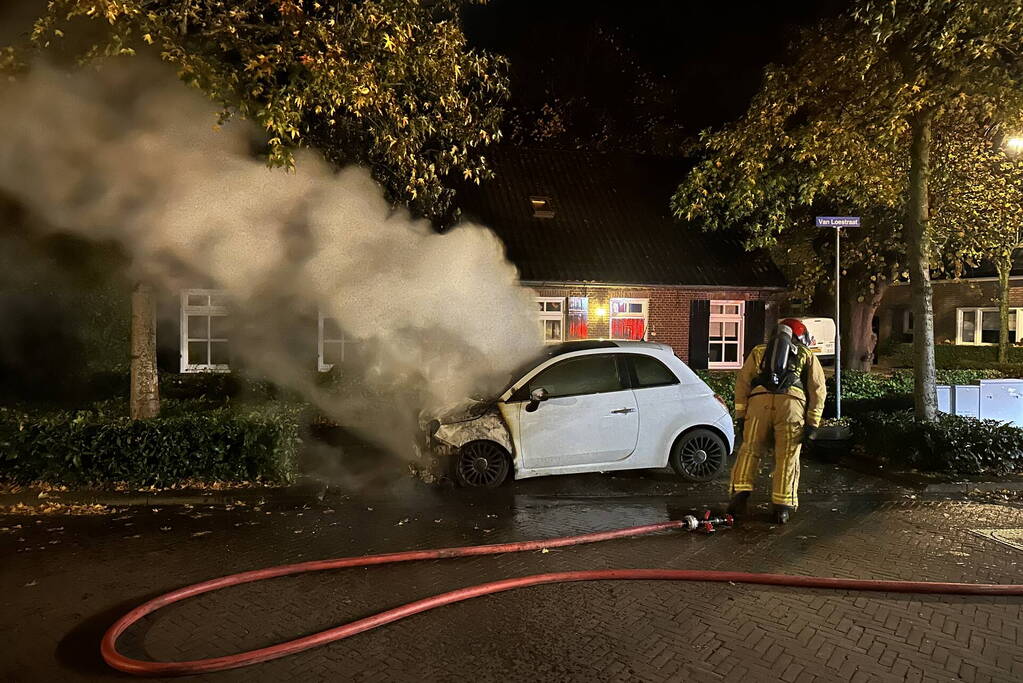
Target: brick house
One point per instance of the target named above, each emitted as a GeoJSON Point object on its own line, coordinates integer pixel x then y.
{"type": "Point", "coordinates": [965, 311]}
{"type": "Point", "coordinates": [593, 236]}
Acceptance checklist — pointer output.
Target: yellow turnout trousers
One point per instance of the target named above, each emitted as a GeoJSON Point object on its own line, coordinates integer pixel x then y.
{"type": "Point", "coordinates": [780, 415]}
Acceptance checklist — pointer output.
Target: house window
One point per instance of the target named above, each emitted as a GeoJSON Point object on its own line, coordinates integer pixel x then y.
{"type": "Point", "coordinates": [204, 331]}
{"type": "Point", "coordinates": [543, 207]}
{"type": "Point", "coordinates": [980, 326]}
{"type": "Point", "coordinates": [578, 317]}
{"type": "Point", "coordinates": [726, 332]}
{"type": "Point", "coordinates": [551, 317]}
{"type": "Point", "coordinates": [907, 325]}
{"type": "Point", "coordinates": [629, 319]}
{"type": "Point", "coordinates": [330, 346]}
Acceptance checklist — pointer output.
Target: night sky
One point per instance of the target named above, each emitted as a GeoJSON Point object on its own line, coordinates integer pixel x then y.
{"type": "Point", "coordinates": [709, 55]}
{"type": "Point", "coordinates": [694, 63]}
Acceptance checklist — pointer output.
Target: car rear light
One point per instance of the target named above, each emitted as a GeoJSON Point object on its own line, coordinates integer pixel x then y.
{"type": "Point", "coordinates": [722, 401]}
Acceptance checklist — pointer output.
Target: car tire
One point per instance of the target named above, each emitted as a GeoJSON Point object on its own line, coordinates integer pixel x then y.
{"type": "Point", "coordinates": [481, 464]}
{"type": "Point", "coordinates": [698, 455]}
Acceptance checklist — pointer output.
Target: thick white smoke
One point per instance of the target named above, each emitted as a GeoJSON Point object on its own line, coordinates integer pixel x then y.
{"type": "Point", "coordinates": [129, 153]}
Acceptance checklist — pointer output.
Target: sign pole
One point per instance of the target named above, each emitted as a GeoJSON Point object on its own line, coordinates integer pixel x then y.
{"type": "Point", "coordinates": [838, 327]}
{"type": "Point", "coordinates": [838, 222]}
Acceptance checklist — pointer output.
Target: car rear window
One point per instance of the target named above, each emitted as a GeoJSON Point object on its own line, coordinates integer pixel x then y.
{"type": "Point", "coordinates": [650, 372]}
{"type": "Point", "coordinates": [580, 375]}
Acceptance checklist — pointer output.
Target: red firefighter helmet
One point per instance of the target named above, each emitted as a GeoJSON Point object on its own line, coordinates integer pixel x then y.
{"type": "Point", "coordinates": [799, 331]}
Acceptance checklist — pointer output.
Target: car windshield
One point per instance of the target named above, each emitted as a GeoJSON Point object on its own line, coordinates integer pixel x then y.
{"type": "Point", "coordinates": [548, 353]}
{"type": "Point", "coordinates": [522, 369]}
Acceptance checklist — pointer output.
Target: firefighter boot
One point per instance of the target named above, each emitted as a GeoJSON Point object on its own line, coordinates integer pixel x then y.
{"type": "Point", "coordinates": [739, 505]}
{"type": "Point", "coordinates": [782, 513]}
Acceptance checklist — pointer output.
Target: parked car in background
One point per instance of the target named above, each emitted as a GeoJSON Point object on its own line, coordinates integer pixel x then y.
{"type": "Point", "coordinates": [822, 337]}
{"type": "Point", "coordinates": [591, 406]}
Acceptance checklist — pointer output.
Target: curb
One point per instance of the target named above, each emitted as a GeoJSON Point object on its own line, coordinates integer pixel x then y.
{"type": "Point", "coordinates": [309, 493]}
{"type": "Point", "coordinates": [971, 486]}
{"type": "Point", "coordinates": [292, 495]}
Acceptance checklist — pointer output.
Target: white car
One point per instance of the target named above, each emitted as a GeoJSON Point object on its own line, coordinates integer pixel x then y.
{"type": "Point", "coordinates": [592, 406]}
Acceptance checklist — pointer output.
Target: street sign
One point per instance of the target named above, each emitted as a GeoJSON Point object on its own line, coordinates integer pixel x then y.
{"type": "Point", "coordinates": [838, 221]}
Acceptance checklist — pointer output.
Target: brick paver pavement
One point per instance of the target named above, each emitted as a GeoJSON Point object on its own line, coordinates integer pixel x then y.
{"type": "Point", "coordinates": [65, 579]}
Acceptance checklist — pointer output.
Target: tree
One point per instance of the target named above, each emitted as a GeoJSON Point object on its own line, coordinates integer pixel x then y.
{"type": "Point", "coordinates": [762, 175]}
{"type": "Point", "coordinates": [386, 83]}
{"type": "Point", "coordinates": [870, 260]}
{"type": "Point", "coordinates": [850, 115]}
{"type": "Point", "coordinates": [738, 185]}
{"type": "Point", "coordinates": [979, 203]}
{"type": "Point", "coordinates": [389, 84]}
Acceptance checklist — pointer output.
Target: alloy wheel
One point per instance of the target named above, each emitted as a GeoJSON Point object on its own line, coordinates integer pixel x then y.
{"type": "Point", "coordinates": [482, 464]}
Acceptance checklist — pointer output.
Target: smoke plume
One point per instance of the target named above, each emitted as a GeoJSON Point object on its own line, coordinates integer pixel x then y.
{"type": "Point", "coordinates": [128, 153]}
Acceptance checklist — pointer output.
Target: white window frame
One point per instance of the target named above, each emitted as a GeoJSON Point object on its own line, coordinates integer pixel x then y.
{"type": "Point", "coordinates": [321, 341]}
{"type": "Point", "coordinates": [723, 318]}
{"type": "Point", "coordinates": [561, 316]}
{"type": "Point", "coordinates": [209, 311]}
{"type": "Point", "coordinates": [612, 316]}
{"type": "Point", "coordinates": [978, 318]}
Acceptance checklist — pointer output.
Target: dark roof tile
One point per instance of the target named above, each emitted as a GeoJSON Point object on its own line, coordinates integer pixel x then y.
{"type": "Point", "coordinates": [612, 222]}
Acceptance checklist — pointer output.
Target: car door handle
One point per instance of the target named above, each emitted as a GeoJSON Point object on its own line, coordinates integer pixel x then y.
{"type": "Point", "coordinates": [623, 411]}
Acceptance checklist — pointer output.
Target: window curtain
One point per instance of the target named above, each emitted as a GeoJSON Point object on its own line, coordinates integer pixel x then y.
{"type": "Point", "coordinates": [578, 327]}
{"type": "Point", "coordinates": [628, 328]}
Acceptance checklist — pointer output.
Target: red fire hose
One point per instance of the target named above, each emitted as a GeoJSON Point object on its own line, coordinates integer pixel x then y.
{"type": "Point", "coordinates": [139, 667]}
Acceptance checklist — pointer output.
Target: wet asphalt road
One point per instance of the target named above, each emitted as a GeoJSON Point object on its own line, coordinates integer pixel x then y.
{"type": "Point", "coordinates": [66, 578]}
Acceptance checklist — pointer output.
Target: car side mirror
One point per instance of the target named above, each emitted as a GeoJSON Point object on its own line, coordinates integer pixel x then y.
{"type": "Point", "coordinates": [536, 397]}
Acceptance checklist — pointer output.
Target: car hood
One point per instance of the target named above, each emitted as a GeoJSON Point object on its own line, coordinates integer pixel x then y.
{"type": "Point", "coordinates": [475, 408]}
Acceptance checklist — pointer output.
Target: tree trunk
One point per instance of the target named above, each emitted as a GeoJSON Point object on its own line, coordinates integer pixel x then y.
{"type": "Point", "coordinates": [1004, 268]}
{"type": "Point", "coordinates": [145, 385]}
{"type": "Point", "coordinates": [859, 339]}
{"type": "Point", "coordinates": [918, 247]}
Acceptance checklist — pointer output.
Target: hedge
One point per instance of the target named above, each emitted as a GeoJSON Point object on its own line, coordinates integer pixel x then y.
{"type": "Point", "coordinates": [953, 444]}
{"type": "Point", "coordinates": [952, 356]}
{"type": "Point", "coordinates": [214, 386]}
{"type": "Point", "coordinates": [861, 391]}
{"type": "Point", "coordinates": [721, 383]}
{"type": "Point", "coordinates": [98, 446]}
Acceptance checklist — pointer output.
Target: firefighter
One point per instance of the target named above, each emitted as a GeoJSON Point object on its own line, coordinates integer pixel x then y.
{"type": "Point", "coordinates": [779, 399]}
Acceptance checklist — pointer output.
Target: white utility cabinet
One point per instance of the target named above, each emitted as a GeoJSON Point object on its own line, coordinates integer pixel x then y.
{"type": "Point", "coordinates": [966, 399]}
{"type": "Point", "coordinates": [1002, 400]}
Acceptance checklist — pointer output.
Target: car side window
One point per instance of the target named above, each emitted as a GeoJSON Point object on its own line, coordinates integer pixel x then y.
{"type": "Point", "coordinates": [580, 375]}
{"type": "Point", "coordinates": [650, 372]}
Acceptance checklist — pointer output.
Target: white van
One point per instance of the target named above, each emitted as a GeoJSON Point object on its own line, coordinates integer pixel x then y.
{"type": "Point", "coordinates": [822, 336]}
